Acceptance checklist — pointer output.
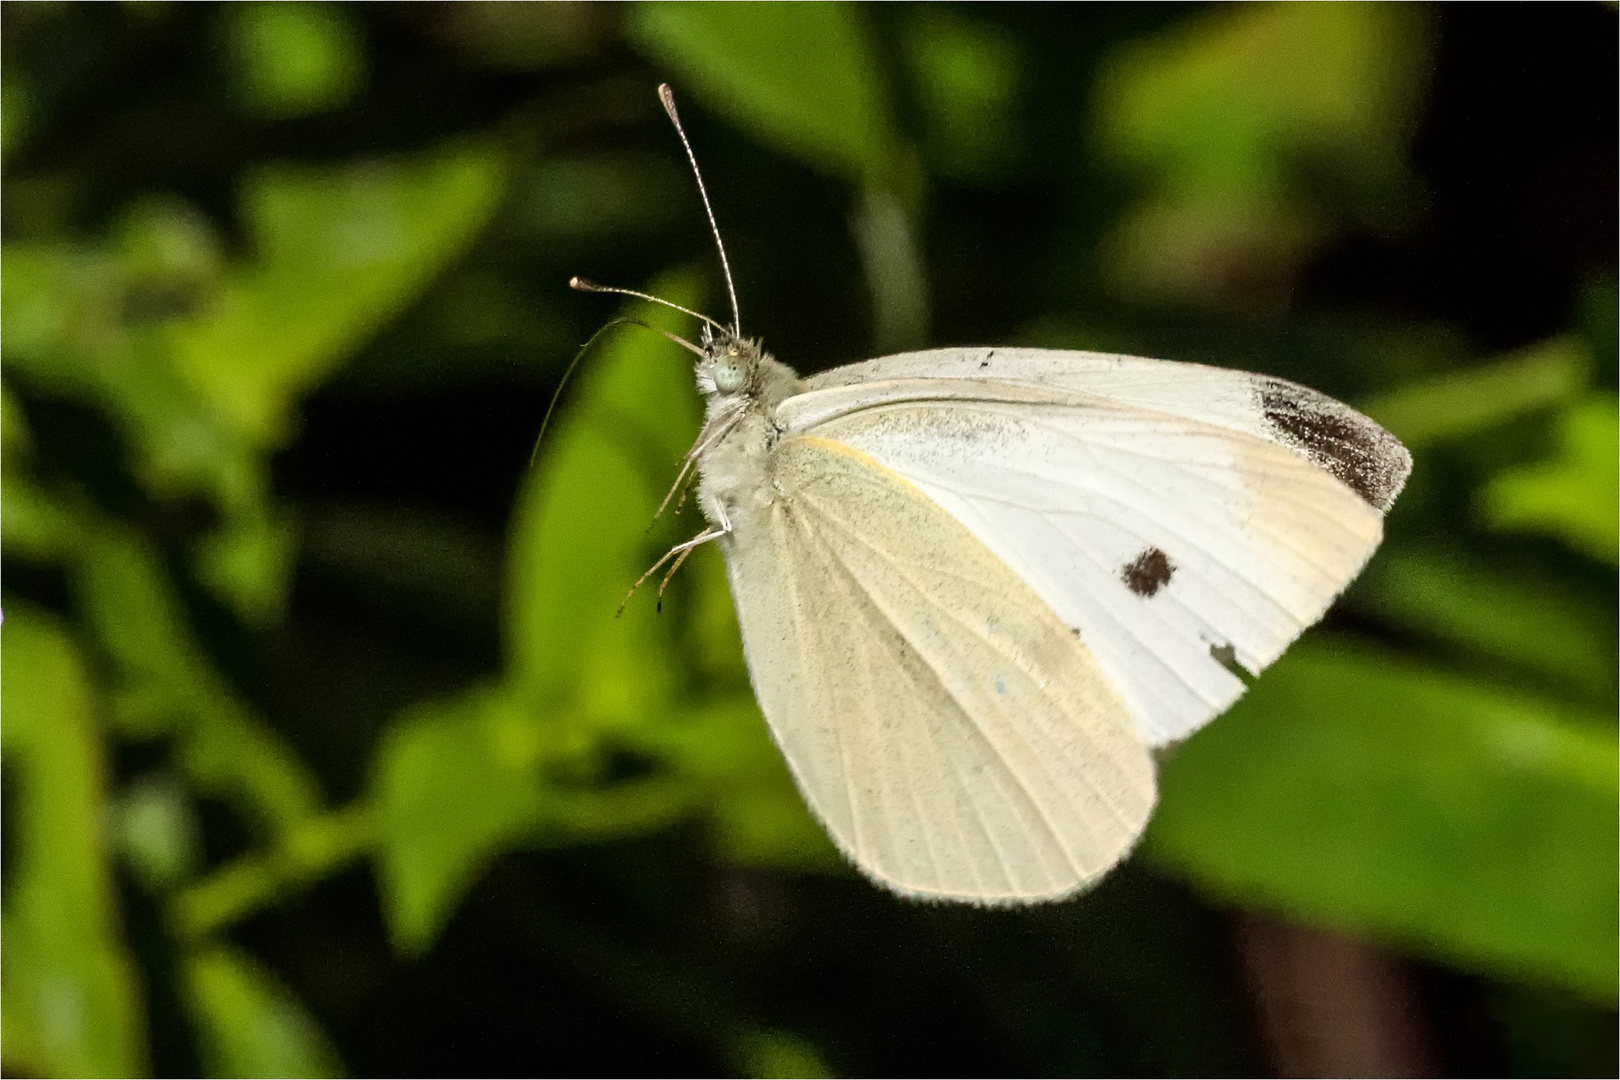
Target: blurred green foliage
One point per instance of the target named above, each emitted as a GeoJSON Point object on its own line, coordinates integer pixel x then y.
{"type": "Point", "coordinates": [1259, 131]}
{"type": "Point", "coordinates": [1373, 792]}
{"type": "Point", "coordinates": [251, 1026]}
{"type": "Point", "coordinates": [967, 77]}
{"type": "Point", "coordinates": [834, 115]}
{"type": "Point", "coordinates": [535, 759]}
{"type": "Point", "coordinates": [294, 59]}
{"type": "Point", "coordinates": [71, 1006]}
{"type": "Point", "coordinates": [1435, 768]}
{"type": "Point", "coordinates": [1574, 496]}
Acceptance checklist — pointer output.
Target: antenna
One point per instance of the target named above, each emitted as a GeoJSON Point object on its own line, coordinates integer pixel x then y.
{"type": "Point", "coordinates": [582, 285]}
{"type": "Point", "coordinates": [667, 96]}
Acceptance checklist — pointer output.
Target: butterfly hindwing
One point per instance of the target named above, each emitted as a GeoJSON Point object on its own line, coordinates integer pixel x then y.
{"type": "Point", "coordinates": [949, 730]}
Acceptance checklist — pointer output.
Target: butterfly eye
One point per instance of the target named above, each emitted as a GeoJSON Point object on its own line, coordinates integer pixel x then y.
{"type": "Point", "coordinates": [728, 375]}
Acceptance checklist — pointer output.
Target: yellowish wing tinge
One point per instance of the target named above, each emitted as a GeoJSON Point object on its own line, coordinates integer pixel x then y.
{"type": "Point", "coordinates": [950, 731]}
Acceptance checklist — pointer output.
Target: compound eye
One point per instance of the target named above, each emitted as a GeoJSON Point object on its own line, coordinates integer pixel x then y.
{"type": "Point", "coordinates": [728, 376]}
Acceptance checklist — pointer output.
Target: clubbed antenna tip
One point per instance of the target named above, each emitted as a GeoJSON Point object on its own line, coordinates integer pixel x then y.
{"type": "Point", "coordinates": [667, 96]}
{"type": "Point", "coordinates": [582, 285]}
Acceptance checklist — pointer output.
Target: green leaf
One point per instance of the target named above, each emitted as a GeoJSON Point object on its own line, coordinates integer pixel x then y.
{"type": "Point", "coordinates": [580, 532]}
{"type": "Point", "coordinates": [1240, 93]}
{"type": "Point", "coordinates": [967, 73]}
{"type": "Point", "coordinates": [65, 333]}
{"type": "Point", "coordinates": [309, 849]}
{"type": "Point", "coordinates": [165, 683]}
{"type": "Point", "coordinates": [711, 638]}
{"type": "Point", "coordinates": [579, 543]}
{"type": "Point", "coordinates": [49, 294]}
{"type": "Point", "coordinates": [756, 813]}
{"type": "Point", "coordinates": [1576, 496]}
{"type": "Point", "coordinates": [455, 782]}
{"type": "Point", "coordinates": [1373, 793]}
{"type": "Point", "coordinates": [1540, 625]}
{"type": "Point", "coordinates": [781, 1053]}
{"type": "Point", "coordinates": [37, 526]}
{"type": "Point", "coordinates": [248, 560]}
{"type": "Point", "coordinates": [802, 77]}
{"type": "Point", "coordinates": [1463, 402]}
{"type": "Point", "coordinates": [157, 831]}
{"type": "Point", "coordinates": [293, 59]}
{"type": "Point", "coordinates": [248, 1023]}
{"type": "Point", "coordinates": [1257, 132]}
{"type": "Point", "coordinates": [203, 391]}
{"type": "Point", "coordinates": [71, 1000]}
{"type": "Point", "coordinates": [337, 251]}
{"type": "Point", "coordinates": [458, 781]}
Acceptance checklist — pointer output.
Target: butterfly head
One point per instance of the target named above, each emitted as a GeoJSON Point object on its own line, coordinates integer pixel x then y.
{"type": "Point", "coordinates": [729, 367]}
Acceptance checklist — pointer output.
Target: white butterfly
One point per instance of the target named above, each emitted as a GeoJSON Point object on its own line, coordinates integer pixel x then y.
{"type": "Point", "coordinates": [977, 587]}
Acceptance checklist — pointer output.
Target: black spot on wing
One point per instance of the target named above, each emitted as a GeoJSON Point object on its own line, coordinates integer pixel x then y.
{"type": "Point", "coordinates": [1369, 460]}
{"type": "Point", "coordinates": [1148, 572]}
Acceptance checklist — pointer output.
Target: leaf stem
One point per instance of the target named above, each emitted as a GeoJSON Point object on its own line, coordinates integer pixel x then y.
{"type": "Point", "coordinates": [307, 851]}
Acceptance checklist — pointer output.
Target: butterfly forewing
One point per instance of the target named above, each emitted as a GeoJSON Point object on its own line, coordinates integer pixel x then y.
{"type": "Point", "coordinates": [1335, 437]}
{"type": "Point", "coordinates": [1174, 544]}
{"type": "Point", "coordinates": [952, 733]}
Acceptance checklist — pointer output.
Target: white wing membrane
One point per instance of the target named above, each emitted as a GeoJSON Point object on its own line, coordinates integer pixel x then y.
{"type": "Point", "coordinates": [1334, 436]}
{"type": "Point", "coordinates": [950, 731]}
{"type": "Point", "coordinates": [1168, 512]}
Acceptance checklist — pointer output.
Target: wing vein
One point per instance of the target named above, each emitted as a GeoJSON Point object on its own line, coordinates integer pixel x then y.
{"type": "Point", "coordinates": [1001, 650]}
{"type": "Point", "coordinates": [863, 603]}
{"type": "Point", "coordinates": [804, 628]}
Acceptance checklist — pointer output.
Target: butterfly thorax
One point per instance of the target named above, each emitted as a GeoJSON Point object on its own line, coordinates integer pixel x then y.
{"type": "Point", "coordinates": [741, 386]}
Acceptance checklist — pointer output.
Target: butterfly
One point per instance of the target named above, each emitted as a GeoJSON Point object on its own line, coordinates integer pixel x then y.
{"type": "Point", "coordinates": [978, 587]}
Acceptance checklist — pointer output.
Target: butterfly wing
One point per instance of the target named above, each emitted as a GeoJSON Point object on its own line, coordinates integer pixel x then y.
{"type": "Point", "coordinates": [1181, 518]}
{"type": "Point", "coordinates": [949, 730]}
{"type": "Point", "coordinates": [1332, 435]}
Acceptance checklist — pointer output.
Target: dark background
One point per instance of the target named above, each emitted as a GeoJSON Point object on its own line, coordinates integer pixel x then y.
{"type": "Point", "coordinates": [647, 955]}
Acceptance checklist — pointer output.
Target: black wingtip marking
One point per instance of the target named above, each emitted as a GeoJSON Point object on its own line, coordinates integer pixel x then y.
{"type": "Point", "coordinates": [1369, 460]}
{"type": "Point", "coordinates": [1148, 572]}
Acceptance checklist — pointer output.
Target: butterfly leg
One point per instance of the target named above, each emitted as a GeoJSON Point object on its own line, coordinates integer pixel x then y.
{"type": "Point", "coordinates": [670, 573]}
{"type": "Point", "coordinates": [719, 509]}
{"type": "Point", "coordinates": [678, 485]}
{"type": "Point", "coordinates": [715, 430]}
{"type": "Point", "coordinates": [679, 553]}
